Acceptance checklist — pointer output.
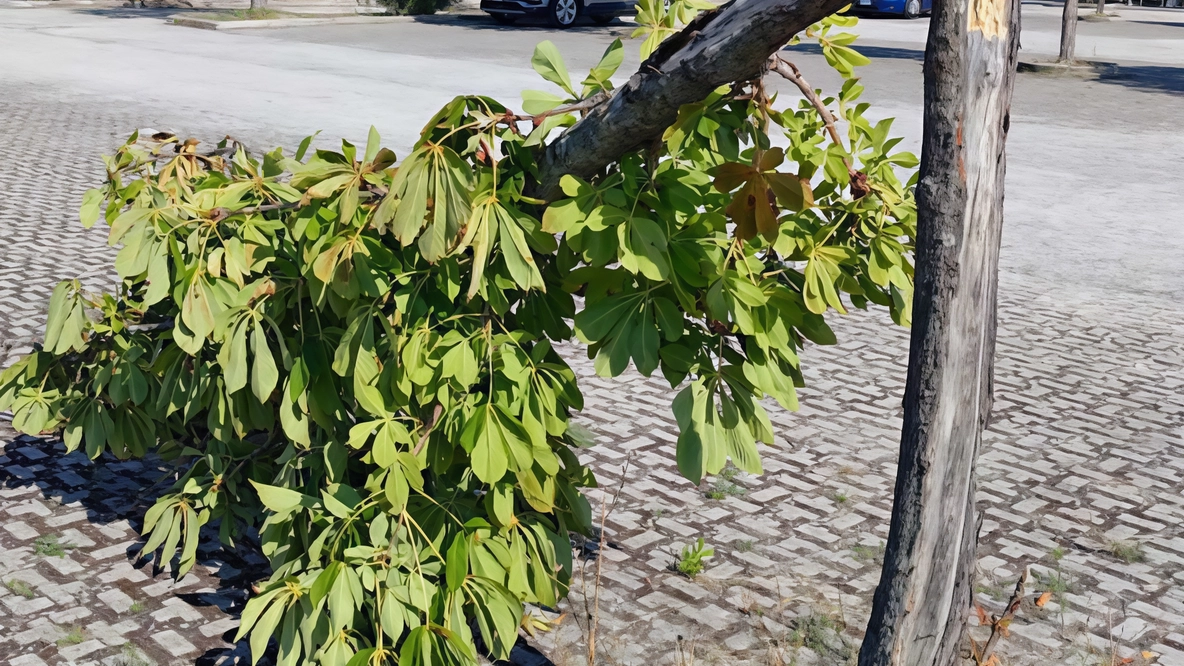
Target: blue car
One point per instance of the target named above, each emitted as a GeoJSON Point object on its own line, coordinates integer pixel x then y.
{"type": "Point", "coordinates": [906, 8]}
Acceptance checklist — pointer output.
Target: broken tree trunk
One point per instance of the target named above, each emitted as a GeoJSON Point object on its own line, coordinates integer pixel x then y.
{"type": "Point", "coordinates": [1068, 31]}
{"type": "Point", "coordinates": [920, 607]}
{"type": "Point", "coordinates": [730, 44]}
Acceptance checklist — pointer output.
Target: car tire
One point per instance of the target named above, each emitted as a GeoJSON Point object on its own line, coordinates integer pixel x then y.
{"type": "Point", "coordinates": [602, 19]}
{"type": "Point", "coordinates": [504, 19]}
{"type": "Point", "coordinates": [562, 14]}
{"type": "Point", "coordinates": [912, 9]}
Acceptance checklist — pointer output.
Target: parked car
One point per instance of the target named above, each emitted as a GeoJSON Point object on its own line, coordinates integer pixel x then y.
{"type": "Point", "coordinates": [906, 8]}
{"type": "Point", "coordinates": [559, 13]}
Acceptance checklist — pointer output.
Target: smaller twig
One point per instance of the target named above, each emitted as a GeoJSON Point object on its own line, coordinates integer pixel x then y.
{"type": "Point", "coordinates": [217, 152]}
{"type": "Point", "coordinates": [605, 510]}
{"type": "Point", "coordinates": [582, 105]}
{"type": "Point", "coordinates": [1000, 623]}
{"type": "Point", "coordinates": [158, 326]}
{"type": "Point", "coordinates": [791, 73]}
{"type": "Point", "coordinates": [427, 429]}
{"type": "Point", "coordinates": [219, 214]}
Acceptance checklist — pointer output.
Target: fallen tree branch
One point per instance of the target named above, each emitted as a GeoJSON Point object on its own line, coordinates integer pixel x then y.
{"type": "Point", "coordinates": [730, 44]}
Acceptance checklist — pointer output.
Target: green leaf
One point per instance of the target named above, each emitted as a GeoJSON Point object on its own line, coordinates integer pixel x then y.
{"type": "Point", "coordinates": [458, 562]}
{"type": "Point", "coordinates": [549, 64]}
{"type": "Point", "coordinates": [643, 248]}
{"type": "Point", "coordinates": [263, 630]}
{"type": "Point", "coordinates": [489, 453]}
{"type": "Point", "coordinates": [373, 143]}
{"type": "Point", "coordinates": [92, 203]}
{"type": "Point", "coordinates": [536, 102]}
{"type": "Point", "coordinates": [595, 322]}
{"type": "Point", "coordinates": [282, 500]}
{"type": "Point", "coordinates": [519, 259]}
{"type": "Point", "coordinates": [600, 75]}
{"type": "Point", "coordinates": [264, 374]}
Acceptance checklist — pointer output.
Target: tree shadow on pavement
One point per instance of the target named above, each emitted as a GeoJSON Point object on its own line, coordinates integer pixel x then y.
{"type": "Point", "coordinates": [132, 12]}
{"type": "Point", "coordinates": [1148, 78]}
{"type": "Point", "coordinates": [112, 490]}
{"type": "Point", "coordinates": [873, 52]}
{"type": "Point", "coordinates": [485, 22]}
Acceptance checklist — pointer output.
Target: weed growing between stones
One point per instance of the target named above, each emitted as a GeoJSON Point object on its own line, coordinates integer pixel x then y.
{"type": "Point", "coordinates": [1055, 581]}
{"type": "Point", "coordinates": [690, 563]}
{"type": "Point", "coordinates": [824, 635]}
{"type": "Point", "coordinates": [1128, 551]}
{"type": "Point", "coordinates": [49, 545]}
{"type": "Point", "coordinates": [722, 489]}
{"type": "Point", "coordinates": [130, 655]}
{"type": "Point", "coordinates": [21, 588]}
{"type": "Point", "coordinates": [865, 553]}
{"type": "Point", "coordinates": [73, 636]}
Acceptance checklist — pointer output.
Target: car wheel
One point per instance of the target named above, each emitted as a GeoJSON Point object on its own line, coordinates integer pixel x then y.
{"type": "Point", "coordinates": [563, 13]}
{"type": "Point", "coordinates": [602, 19]}
{"type": "Point", "coordinates": [505, 19]}
{"type": "Point", "coordinates": [912, 9]}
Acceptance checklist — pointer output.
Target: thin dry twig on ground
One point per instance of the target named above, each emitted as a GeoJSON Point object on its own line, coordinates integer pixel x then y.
{"type": "Point", "coordinates": [594, 618]}
{"type": "Point", "coordinates": [999, 624]}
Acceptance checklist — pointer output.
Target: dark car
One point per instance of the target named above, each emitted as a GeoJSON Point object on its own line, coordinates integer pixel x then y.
{"type": "Point", "coordinates": [559, 13]}
{"type": "Point", "coordinates": [906, 8]}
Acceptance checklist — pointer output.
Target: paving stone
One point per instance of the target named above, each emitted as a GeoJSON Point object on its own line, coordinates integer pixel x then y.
{"type": "Point", "coordinates": [174, 643]}
{"type": "Point", "coordinates": [74, 652]}
{"type": "Point", "coordinates": [21, 530]}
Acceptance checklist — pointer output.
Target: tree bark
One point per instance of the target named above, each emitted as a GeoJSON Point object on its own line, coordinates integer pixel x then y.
{"type": "Point", "coordinates": [1101, 10]}
{"type": "Point", "coordinates": [720, 47]}
{"type": "Point", "coordinates": [920, 607]}
{"type": "Point", "coordinates": [1068, 31]}
{"type": "Point", "coordinates": [258, 4]}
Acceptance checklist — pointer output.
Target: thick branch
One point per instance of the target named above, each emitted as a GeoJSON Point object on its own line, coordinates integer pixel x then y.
{"type": "Point", "coordinates": [730, 44]}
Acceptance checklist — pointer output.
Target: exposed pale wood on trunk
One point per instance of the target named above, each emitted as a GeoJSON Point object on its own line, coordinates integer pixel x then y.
{"type": "Point", "coordinates": [729, 45]}
{"type": "Point", "coordinates": [1068, 31]}
{"type": "Point", "coordinates": [921, 604]}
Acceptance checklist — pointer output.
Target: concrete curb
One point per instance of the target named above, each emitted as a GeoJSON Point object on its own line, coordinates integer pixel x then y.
{"type": "Point", "coordinates": [1077, 68]}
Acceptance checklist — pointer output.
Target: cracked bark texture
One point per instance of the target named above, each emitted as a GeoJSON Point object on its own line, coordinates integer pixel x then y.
{"type": "Point", "coordinates": [920, 607]}
{"type": "Point", "coordinates": [730, 44]}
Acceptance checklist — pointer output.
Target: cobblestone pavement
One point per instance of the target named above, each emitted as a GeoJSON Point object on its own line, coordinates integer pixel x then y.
{"type": "Point", "coordinates": [1080, 478]}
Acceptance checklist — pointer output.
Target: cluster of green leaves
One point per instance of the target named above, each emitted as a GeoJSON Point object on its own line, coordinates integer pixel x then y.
{"type": "Point", "coordinates": [690, 562]}
{"type": "Point", "coordinates": [357, 358]}
{"type": "Point", "coordinates": [659, 19]}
